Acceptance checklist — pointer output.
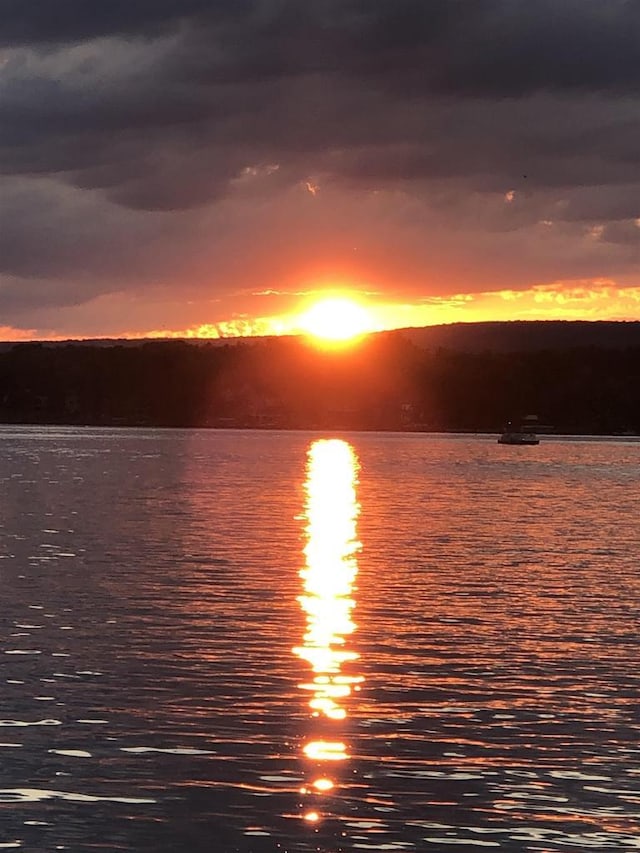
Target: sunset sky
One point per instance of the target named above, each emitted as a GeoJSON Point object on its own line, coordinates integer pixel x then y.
{"type": "Point", "coordinates": [214, 166]}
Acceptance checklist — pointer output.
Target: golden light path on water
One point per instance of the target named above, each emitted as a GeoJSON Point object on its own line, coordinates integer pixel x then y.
{"type": "Point", "coordinates": [331, 512]}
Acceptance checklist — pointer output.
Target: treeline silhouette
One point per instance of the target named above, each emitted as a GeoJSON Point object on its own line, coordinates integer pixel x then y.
{"type": "Point", "coordinates": [384, 382]}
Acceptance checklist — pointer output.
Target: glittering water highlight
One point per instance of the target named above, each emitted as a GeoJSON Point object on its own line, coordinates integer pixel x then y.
{"type": "Point", "coordinates": [329, 575]}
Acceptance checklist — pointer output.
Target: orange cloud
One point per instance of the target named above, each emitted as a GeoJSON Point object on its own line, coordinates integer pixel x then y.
{"type": "Point", "coordinates": [9, 333]}
{"type": "Point", "coordinates": [598, 299]}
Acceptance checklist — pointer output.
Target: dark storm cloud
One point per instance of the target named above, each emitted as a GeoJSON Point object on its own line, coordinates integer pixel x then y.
{"type": "Point", "coordinates": [490, 47]}
{"type": "Point", "coordinates": [47, 229]}
{"type": "Point", "coordinates": [279, 76]}
{"type": "Point", "coordinates": [115, 109]}
{"type": "Point", "coordinates": [42, 22]}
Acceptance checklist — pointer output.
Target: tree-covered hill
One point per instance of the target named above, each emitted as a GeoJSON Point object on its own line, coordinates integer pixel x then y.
{"type": "Point", "coordinates": [387, 381]}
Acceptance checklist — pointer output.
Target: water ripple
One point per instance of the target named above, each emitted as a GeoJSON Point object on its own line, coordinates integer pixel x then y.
{"type": "Point", "coordinates": [152, 582]}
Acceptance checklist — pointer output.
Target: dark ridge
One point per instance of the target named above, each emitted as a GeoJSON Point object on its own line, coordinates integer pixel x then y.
{"type": "Point", "coordinates": [575, 377]}
{"type": "Point", "coordinates": [510, 336]}
{"type": "Point", "coordinates": [527, 335]}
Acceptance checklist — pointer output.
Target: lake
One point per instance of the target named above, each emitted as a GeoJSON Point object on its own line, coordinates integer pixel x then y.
{"type": "Point", "coordinates": [271, 641]}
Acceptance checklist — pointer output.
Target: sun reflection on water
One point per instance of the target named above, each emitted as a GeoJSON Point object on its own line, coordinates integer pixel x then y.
{"type": "Point", "coordinates": [331, 512]}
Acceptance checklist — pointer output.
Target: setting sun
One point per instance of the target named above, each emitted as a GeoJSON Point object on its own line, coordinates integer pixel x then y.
{"type": "Point", "coordinates": [336, 319]}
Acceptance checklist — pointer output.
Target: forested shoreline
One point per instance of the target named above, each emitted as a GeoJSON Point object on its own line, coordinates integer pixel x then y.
{"type": "Point", "coordinates": [384, 382]}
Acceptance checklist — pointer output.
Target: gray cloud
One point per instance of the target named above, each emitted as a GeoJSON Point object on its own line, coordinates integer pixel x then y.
{"type": "Point", "coordinates": [140, 139]}
{"type": "Point", "coordinates": [39, 22]}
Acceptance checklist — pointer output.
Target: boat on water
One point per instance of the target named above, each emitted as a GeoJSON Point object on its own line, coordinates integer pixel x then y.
{"type": "Point", "coordinates": [514, 437]}
{"type": "Point", "coordinates": [520, 433]}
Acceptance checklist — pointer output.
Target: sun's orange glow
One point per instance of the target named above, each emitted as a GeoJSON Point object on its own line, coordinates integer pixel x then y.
{"type": "Point", "coordinates": [563, 299]}
{"type": "Point", "coordinates": [336, 319]}
{"type": "Point", "coordinates": [584, 299]}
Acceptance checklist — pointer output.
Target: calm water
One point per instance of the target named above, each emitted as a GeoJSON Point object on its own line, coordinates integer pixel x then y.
{"type": "Point", "coordinates": [244, 641]}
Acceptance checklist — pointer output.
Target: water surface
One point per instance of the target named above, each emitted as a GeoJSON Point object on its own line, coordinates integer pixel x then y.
{"type": "Point", "coordinates": [249, 641]}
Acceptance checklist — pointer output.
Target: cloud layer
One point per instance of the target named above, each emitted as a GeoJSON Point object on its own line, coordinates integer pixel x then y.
{"type": "Point", "coordinates": [188, 153]}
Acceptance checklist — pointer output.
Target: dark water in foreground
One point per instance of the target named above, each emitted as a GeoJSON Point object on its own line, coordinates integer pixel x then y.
{"type": "Point", "coordinates": [227, 641]}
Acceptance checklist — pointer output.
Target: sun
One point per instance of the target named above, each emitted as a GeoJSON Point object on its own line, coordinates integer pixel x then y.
{"type": "Point", "coordinates": [336, 320]}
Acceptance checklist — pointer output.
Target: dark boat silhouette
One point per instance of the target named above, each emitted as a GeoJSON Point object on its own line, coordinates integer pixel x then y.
{"type": "Point", "coordinates": [522, 434]}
